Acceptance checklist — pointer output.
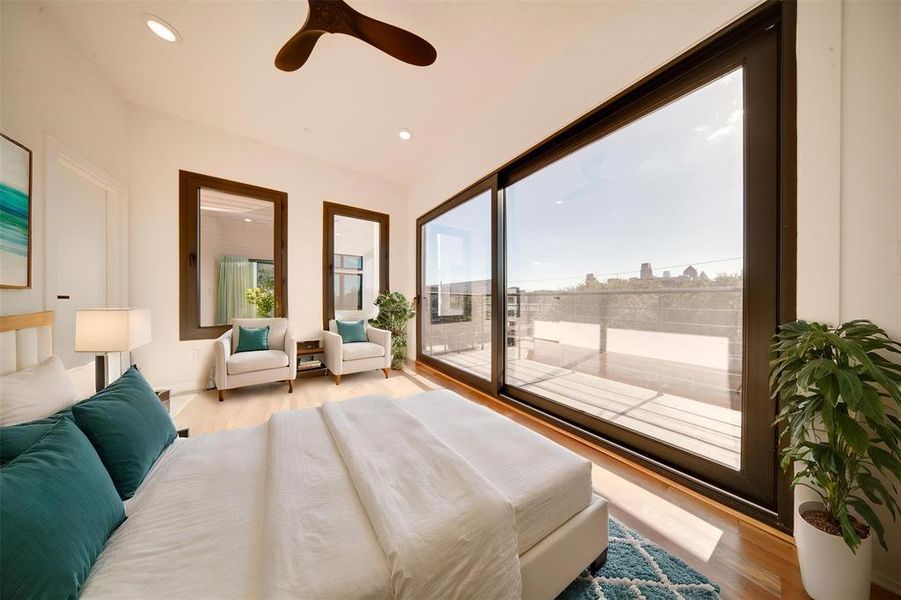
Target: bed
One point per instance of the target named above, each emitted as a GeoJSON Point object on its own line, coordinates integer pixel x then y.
{"type": "Point", "coordinates": [427, 496]}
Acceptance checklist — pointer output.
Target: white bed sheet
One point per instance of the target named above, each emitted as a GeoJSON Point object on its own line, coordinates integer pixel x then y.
{"type": "Point", "coordinates": [546, 483]}
{"type": "Point", "coordinates": [194, 529]}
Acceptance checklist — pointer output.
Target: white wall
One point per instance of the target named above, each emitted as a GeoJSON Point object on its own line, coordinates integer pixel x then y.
{"type": "Point", "coordinates": [48, 86]}
{"type": "Point", "coordinates": [849, 191]}
{"type": "Point", "coordinates": [160, 146]}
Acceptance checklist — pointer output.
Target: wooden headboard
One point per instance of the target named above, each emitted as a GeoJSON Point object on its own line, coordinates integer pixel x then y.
{"type": "Point", "coordinates": [25, 340]}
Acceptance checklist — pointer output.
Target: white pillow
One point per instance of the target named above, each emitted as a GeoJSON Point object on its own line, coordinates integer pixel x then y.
{"type": "Point", "coordinates": [35, 392]}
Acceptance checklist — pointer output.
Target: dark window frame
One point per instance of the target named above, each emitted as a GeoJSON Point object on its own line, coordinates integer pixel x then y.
{"type": "Point", "coordinates": [189, 185]}
{"type": "Point", "coordinates": [493, 385]}
{"type": "Point", "coordinates": [771, 277]}
{"type": "Point", "coordinates": [330, 210]}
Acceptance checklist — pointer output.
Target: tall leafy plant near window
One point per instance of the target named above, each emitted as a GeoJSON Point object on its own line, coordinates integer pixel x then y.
{"type": "Point", "coordinates": [395, 312]}
{"type": "Point", "coordinates": [841, 400]}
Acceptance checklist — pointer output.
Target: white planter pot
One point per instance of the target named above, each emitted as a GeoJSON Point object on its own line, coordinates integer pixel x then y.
{"type": "Point", "coordinates": [829, 570]}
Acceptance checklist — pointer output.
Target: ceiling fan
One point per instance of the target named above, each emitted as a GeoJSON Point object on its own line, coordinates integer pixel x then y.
{"type": "Point", "coordinates": [335, 16]}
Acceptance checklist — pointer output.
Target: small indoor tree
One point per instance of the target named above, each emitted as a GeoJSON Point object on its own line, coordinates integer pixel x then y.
{"type": "Point", "coordinates": [395, 311]}
{"type": "Point", "coordinates": [841, 402]}
{"type": "Point", "coordinates": [263, 298]}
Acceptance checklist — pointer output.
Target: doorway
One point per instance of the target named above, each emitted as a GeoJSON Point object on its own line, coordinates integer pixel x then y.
{"type": "Point", "coordinates": [86, 245]}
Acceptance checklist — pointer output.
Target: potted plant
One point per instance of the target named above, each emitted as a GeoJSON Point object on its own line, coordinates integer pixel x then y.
{"type": "Point", "coordinates": [840, 399]}
{"type": "Point", "coordinates": [395, 311]}
{"type": "Point", "coordinates": [263, 298]}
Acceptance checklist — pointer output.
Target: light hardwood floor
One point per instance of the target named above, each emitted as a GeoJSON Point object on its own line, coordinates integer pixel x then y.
{"type": "Point", "coordinates": [746, 560]}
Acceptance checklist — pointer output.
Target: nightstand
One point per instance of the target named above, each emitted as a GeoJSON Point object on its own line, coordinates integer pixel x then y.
{"type": "Point", "coordinates": [163, 395]}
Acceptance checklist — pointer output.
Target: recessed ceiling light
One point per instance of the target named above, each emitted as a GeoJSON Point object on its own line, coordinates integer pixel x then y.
{"type": "Point", "coordinates": [161, 28]}
{"type": "Point", "coordinates": [405, 134]}
{"type": "Point", "coordinates": [248, 220]}
{"type": "Point", "coordinates": [558, 202]}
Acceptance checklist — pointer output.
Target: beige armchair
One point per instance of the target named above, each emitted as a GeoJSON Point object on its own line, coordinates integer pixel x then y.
{"type": "Point", "coordinates": [343, 359]}
{"type": "Point", "coordinates": [279, 363]}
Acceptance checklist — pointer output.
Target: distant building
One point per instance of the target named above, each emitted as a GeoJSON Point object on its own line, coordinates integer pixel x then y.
{"type": "Point", "coordinates": [690, 272]}
{"type": "Point", "coordinates": [667, 274]}
{"type": "Point", "coordinates": [646, 271]}
{"type": "Point", "coordinates": [703, 276]}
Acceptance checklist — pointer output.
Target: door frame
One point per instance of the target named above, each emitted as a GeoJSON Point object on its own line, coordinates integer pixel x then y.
{"type": "Point", "coordinates": [57, 155]}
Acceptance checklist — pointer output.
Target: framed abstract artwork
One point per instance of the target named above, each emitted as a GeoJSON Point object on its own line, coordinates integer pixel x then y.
{"type": "Point", "coordinates": [15, 214]}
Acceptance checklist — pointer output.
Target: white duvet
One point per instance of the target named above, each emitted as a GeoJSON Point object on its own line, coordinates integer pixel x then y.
{"type": "Point", "coordinates": [430, 496]}
{"type": "Point", "coordinates": [446, 531]}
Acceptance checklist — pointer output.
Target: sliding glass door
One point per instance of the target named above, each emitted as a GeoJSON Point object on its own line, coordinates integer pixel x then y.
{"type": "Point", "coordinates": [624, 276]}
{"type": "Point", "coordinates": [455, 292]}
{"type": "Point", "coordinates": [625, 260]}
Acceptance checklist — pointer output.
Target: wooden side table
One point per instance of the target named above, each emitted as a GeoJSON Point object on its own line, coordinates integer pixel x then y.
{"type": "Point", "coordinates": [307, 351]}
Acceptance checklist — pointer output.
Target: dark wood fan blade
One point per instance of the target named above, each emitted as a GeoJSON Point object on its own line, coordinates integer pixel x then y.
{"type": "Point", "coordinates": [295, 53]}
{"type": "Point", "coordinates": [397, 42]}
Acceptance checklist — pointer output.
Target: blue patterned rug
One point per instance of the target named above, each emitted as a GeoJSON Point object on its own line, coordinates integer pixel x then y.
{"type": "Point", "coordinates": [639, 569]}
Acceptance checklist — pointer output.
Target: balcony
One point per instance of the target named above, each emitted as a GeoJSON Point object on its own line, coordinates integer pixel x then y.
{"type": "Point", "coordinates": [663, 362]}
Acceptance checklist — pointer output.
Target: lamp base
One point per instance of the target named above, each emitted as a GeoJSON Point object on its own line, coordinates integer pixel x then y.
{"type": "Point", "coordinates": [100, 372]}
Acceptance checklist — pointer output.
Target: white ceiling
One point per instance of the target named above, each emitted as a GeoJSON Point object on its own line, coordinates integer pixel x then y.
{"type": "Point", "coordinates": [508, 73]}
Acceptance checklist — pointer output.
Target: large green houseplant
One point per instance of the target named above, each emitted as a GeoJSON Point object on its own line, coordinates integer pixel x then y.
{"type": "Point", "coordinates": [840, 400]}
{"type": "Point", "coordinates": [395, 311]}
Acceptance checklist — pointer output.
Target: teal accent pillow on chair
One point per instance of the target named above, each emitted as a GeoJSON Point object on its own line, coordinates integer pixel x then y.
{"type": "Point", "coordinates": [129, 428]}
{"type": "Point", "coordinates": [352, 331]}
{"type": "Point", "coordinates": [57, 509]}
{"type": "Point", "coordinates": [252, 339]}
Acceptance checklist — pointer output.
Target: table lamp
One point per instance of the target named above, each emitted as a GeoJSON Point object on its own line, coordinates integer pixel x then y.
{"type": "Point", "coordinates": [105, 330]}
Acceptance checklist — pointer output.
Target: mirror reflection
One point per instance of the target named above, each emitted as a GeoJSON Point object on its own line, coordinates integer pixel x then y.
{"type": "Point", "coordinates": [356, 267]}
{"type": "Point", "coordinates": [237, 271]}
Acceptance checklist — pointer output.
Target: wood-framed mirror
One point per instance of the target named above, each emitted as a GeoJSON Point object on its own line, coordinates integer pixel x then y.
{"type": "Point", "coordinates": [233, 237]}
{"type": "Point", "coordinates": [355, 252]}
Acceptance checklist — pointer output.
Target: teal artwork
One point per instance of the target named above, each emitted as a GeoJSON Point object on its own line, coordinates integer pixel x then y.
{"type": "Point", "coordinates": [15, 214]}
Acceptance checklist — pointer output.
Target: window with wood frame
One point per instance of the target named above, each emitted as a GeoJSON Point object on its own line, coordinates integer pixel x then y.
{"type": "Point", "coordinates": [233, 253]}
{"type": "Point", "coordinates": [642, 257]}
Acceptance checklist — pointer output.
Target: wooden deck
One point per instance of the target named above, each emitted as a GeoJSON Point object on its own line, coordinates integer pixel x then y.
{"type": "Point", "coordinates": [703, 428]}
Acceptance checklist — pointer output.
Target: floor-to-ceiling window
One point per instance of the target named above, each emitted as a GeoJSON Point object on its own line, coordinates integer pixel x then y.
{"type": "Point", "coordinates": [626, 261]}
{"type": "Point", "coordinates": [455, 286]}
{"type": "Point", "coordinates": [640, 256]}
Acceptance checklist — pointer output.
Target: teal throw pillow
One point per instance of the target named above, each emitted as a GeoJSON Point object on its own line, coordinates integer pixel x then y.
{"type": "Point", "coordinates": [16, 439]}
{"type": "Point", "coordinates": [129, 428]}
{"type": "Point", "coordinates": [57, 509]}
{"type": "Point", "coordinates": [352, 331]}
{"type": "Point", "coordinates": [252, 339]}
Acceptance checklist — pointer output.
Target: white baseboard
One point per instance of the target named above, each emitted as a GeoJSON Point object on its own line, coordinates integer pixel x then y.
{"type": "Point", "coordinates": [887, 582]}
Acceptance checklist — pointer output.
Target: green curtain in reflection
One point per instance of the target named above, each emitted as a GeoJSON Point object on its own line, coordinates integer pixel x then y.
{"type": "Point", "coordinates": [235, 276]}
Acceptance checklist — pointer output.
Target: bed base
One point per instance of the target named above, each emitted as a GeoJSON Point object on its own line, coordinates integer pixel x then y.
{"type": "Point", "coordinates": [554, 562]}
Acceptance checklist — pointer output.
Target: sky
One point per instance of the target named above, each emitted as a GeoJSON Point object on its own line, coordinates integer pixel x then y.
{"type": "Point", "coordinates": [665, 189]}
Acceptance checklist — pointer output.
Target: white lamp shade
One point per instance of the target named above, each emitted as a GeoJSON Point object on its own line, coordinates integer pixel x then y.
{"type": "Point", "coordinates": [111, 329]}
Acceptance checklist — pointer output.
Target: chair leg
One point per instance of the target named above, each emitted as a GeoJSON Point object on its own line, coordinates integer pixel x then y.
{"type": "Point", "coordinates": [221, 395]}
{"type": "Point", "coordinates": [337, 380]}
{"type": "Point", "coordinates": [385, 371]}
{"type": "Point", "coordinates": [598, 562]}
{"type": "Point", "coordinates": [290, 386]}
